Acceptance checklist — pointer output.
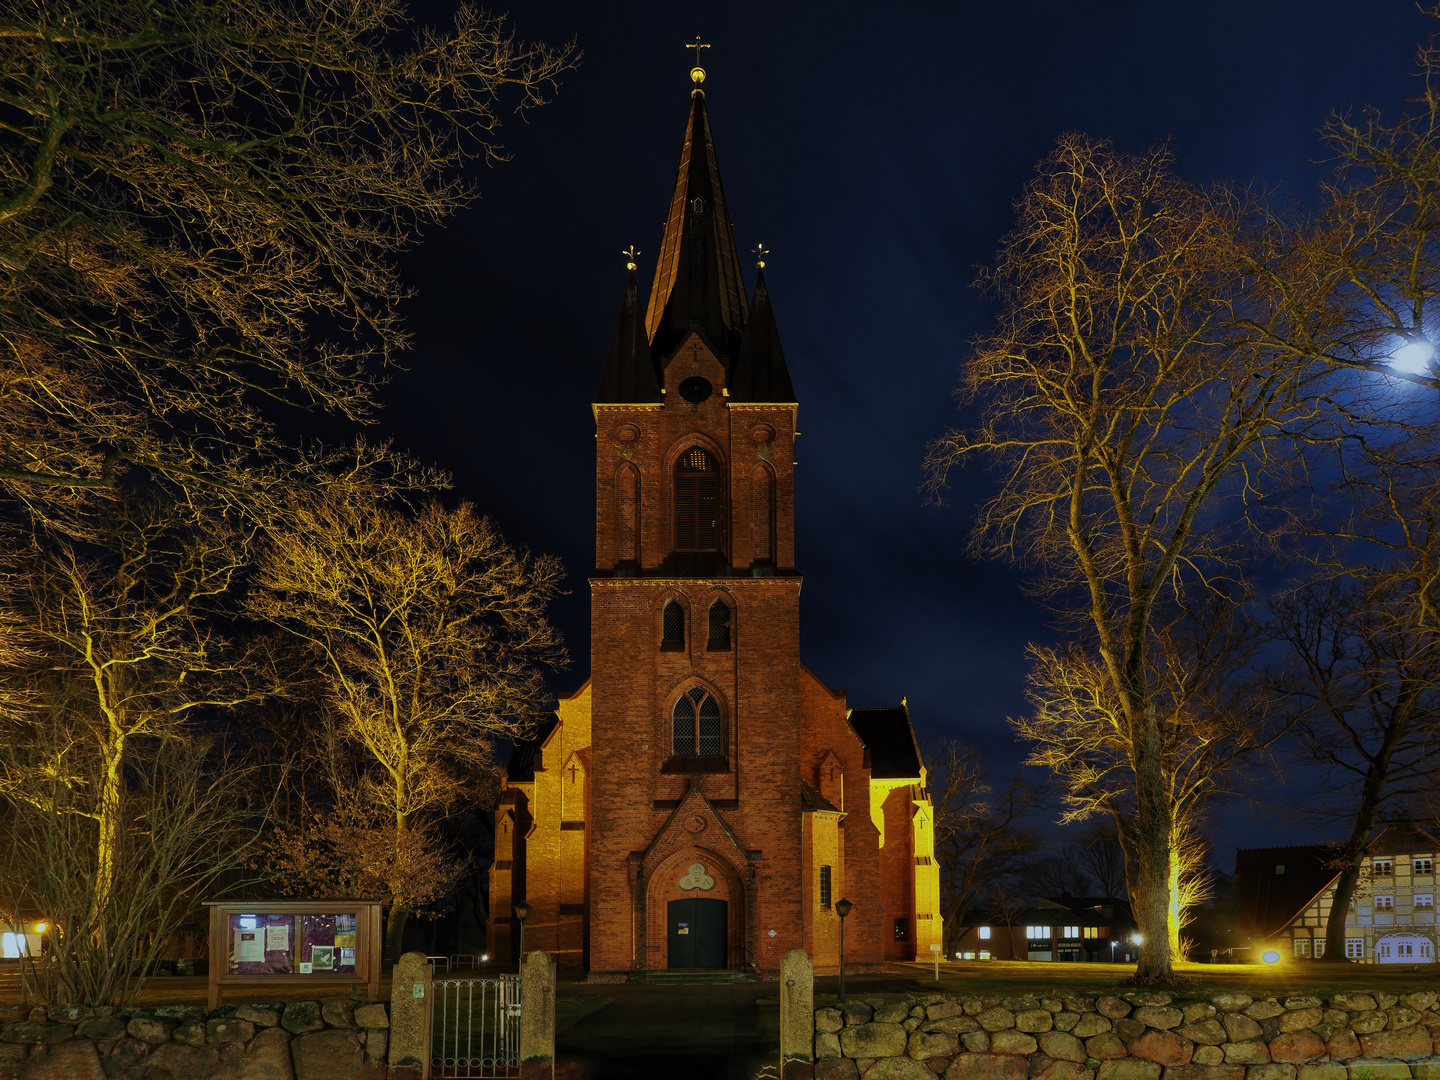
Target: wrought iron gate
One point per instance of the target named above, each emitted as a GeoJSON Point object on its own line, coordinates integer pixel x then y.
{"type": "Point", "coordinates": [475, 1027]}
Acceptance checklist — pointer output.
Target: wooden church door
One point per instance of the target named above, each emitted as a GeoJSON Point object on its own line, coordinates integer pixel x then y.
{"type": "Point", "coordinates": [695, 933]}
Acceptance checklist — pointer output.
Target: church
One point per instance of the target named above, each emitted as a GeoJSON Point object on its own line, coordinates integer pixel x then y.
{"type": "Point", "coordinates": [703, 800]}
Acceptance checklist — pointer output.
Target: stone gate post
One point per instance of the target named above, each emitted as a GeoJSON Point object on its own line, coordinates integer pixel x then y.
{"type": "Point", "coordinates": [537, 1012]}
{"type": "Point", "coordinates": [410, 1004]}
{"type": "Point", "coordinates": [797, 1011]}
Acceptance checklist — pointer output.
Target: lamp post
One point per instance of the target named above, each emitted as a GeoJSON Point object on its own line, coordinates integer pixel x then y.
{"type": "Point", "coordinates": [522, 912]}
{"type": "Point", "coordinates": [842, 908]}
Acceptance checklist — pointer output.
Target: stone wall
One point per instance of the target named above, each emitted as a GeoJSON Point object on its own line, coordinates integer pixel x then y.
{"type": "Point", "coordinates": [304, 1040]}
{"type": "Point", "coordinates": [1132, 1036]}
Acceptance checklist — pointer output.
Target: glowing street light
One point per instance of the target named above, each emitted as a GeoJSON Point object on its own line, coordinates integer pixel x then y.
{"type": "Point", "coordinates": [1271, 957]}
{"type": "Point", "coordinates": [1415, 354]}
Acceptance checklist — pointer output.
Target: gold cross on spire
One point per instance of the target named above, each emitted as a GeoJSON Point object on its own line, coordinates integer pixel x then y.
{"type": "Point", "coordinates": [630, 256]}
{"type": "Point", "coordinates": [697, 73]}
{"type": "Point", "coordinates": [760, 251]}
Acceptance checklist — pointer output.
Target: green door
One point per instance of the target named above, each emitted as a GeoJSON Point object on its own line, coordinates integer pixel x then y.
{"type": "Point", "coordinates": [695, 933]}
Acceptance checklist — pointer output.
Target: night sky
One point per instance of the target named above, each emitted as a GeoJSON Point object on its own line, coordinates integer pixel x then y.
{"type": "Point", "coordinates": [876, 151]}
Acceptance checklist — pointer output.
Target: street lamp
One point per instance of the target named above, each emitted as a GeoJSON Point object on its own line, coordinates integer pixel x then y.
{"type": "Point", "coordinates": [522, 912]}
{"type": "Point", "coordinates": [842, 908]}
{"type": "Point", "coordinates": [1414, 355]}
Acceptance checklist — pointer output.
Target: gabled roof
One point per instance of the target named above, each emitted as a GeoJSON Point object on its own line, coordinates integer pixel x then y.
{"type": "Point", "coordinates": [889, 740]}
{"type": "Point", "coordinates": [521, 768]}
{"type": "Point", "coordinates": [629, 374]}
{"type": "Point", "coordinates": [760, 373]}
{"type": "Point", "coordinates": [1268, 898]}
{"type": "Point", "coordinates": [697, 278]}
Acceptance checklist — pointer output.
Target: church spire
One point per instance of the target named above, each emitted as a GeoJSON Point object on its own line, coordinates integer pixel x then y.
{"type": "Point", "coordinates": [759, 373]}
{"type": "Point", "coordinates": [629, 374]}
{"type": "Point", "coordinates": [697, 278]}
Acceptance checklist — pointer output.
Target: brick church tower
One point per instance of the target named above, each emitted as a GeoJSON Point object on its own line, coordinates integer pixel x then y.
{"type": "Point", "coordinates": [703, 799]}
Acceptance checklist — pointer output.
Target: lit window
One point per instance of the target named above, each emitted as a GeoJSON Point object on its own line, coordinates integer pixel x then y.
{"type": "Point", "coordinates": [1383, 867]}
{"type": "Point", "coordinates": [1424, 902]}
{"type": "Point", "coordinates": [984, 933]}
{"type": "Point", "coordinates": [1279, 869]}
{"type": "Point", "coordinates": [1423, 866]}
{"type": "Point", "coordinates": [1037, 933]}
{"type": "Point", "coordinates": [1384, 903]}
{"type": "Point", "coordinates": [825, 887]}
{"type": "Point", "coordinates": [1302, 947]}
{"type": "Point", "coordinates": [1072, 931]}
{"type": "Point", "coordinates": [969, 956]}
{"type": "Point", "coordinates": [984, 954]}
{"type": "Point", "coordinates": [1355, 948]}
{"type": "Point", "coordinates": [1092, 931]}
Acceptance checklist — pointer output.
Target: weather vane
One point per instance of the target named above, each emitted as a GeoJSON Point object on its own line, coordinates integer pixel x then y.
{"type": "Point", "coordinates": [697, 73]}
{"type": "Point", "coordinates": [630, 256]}
{"type": "Point", "coordinates": [760, 251]}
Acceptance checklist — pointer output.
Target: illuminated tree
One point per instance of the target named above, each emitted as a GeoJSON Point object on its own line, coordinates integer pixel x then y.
{"type": "Point", "coordinates": [980, 838]}
{"type": "Point", "coordinates": [201, 207]}
{"type": "Point", "coordinates": [1131, 410]}
{"type": "Point", "coordinates": [429, 636]}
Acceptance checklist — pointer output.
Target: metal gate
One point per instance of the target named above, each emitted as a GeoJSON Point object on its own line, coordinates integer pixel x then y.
{"type": "Point", "coordinates": [475, 1027]}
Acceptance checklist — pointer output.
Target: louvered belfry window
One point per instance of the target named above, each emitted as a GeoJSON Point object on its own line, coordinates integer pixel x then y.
{"type": "Point", "coordinates": [699, 502]}
{"type": "Point", "coordinates": [696, 721]}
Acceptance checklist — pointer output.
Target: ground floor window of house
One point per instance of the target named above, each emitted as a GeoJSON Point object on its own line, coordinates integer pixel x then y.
{"type": "Point", "coordinates": [1319, 948]}
{"type": "Point", "coordinates": [1302, 946]}
{"type": "Point", "coordinates": [1355, 948]}
{"type": "Point", "coordinates": [902, 929]}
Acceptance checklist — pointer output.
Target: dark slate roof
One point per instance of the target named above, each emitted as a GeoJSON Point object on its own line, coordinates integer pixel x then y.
{"type": "Point", "coordinates": [889, 740]}
{"type": "Point", "coordinates": [521, 769]}
{"type": "Point", "coordinates": [810, 799]}
{"type": "Point", "coordinates": [697, 278]}
{"type": "Point", "coordinates": [629, 374]}
{"type": "Point", "coordinates": [1403, 838]}
{"type": "Point", "coordinates": [1267, 902]}
{"type": "Point", "coordinates": [760, 373]}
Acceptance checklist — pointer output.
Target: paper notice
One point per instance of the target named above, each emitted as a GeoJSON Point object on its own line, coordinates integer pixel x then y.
{"type": "Point", "coordinates": [347, 957]}
{"type": "Point", "coordinates": [277, 938]}
{"type": "Point", "coordinates": [249, 947]}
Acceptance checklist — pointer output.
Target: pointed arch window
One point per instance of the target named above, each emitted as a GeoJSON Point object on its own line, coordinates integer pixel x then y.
{"type": "Point", "coordinates": [719, 638]}
{"type": "Point", "coordinates": [699, 502]}
{"type": "Point", "coordinates": [627, 546]}
{"type": "Point", "coordinates": [696, 725]}
{"type": "Point", "coordinates": [672, 635]}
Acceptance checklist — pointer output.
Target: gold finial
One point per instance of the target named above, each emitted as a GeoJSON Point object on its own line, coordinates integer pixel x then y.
{"type": "Point", "coordinates": [760, 251]}
{"type": "Point", "coordinates": [697, 73]}
{"type": "Point", "coordinates": [630, 256]}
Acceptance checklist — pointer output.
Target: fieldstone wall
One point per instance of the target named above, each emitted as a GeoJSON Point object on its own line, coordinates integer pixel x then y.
{"type": "Point", "coordinates": [338, 1039]}
{"type": "Point", "coordinates": [1132, 1036]}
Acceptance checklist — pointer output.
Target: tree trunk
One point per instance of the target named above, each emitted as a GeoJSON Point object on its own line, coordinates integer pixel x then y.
{"type": "Point", "coordinates": [1172, 913]}
{"type": "Point", "coordinates": [395, 930]}
{"type": "Point", "coordinates": [1151, 903]}
{"type": "Point", "coordinates": [1370, 798]}
{"type": "Point", "coordinates": [107, 841]}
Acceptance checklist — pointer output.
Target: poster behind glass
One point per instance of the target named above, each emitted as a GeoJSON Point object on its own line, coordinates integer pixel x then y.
{"type": "Point", "coordinates": [292, 944]}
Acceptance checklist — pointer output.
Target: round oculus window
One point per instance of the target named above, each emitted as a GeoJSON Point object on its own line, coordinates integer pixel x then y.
{"type": "Point", "coordinates": [696, 389]}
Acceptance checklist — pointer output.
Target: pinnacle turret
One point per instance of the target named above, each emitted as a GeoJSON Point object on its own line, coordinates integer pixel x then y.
{"type": "Point", "coordinates": [759, 372]}
{"type": "Point", "coordinates": [629, 374]}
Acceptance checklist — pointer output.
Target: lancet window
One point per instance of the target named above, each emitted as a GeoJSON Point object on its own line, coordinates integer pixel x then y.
{"type": "Point", "coordinates": [697, 726]}
{"type": "Point", "coordinates": [673, 626]}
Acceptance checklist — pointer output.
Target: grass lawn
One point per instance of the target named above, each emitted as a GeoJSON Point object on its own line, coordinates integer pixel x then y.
{"type": "Point", "coordinates": [1017, 978]}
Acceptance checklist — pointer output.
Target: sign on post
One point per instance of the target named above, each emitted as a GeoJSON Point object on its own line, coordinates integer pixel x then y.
{"type": "Point", "coordinates": [935, 951]}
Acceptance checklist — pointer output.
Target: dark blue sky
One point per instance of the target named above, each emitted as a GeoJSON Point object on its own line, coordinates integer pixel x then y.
{"type": "Point", "coordinates": [876, 150]}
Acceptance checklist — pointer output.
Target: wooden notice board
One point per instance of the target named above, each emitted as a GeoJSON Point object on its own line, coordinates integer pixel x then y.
{"type": "Point", "coordinates": [320, 943]}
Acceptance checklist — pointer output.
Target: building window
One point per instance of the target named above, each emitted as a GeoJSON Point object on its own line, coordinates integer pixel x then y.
{"type": "Point", "coordinates": [1092, 931]}
{"type": "Point", "coordinates": [1279, 869]}
{"type": "Point", "coordinates": [699, 502]}
{"type": "Point", "coordinates": [984, 933]}
{"type": "Point", "coordinates": [1424, 902]}
{"type": "Point", "coordinates": [1319, 948]}
{"type": "Point", "coordinates": [1423, 866]}
{"type": "Point", "coordinates": [673, 636]}
{"type": "Point", "coordinates": [1355, 948]}
{"type": "Point", "coordinates": [719, 625]}
{"type": "Point", "coordinates": [1037, 933]}
{"type": "Point", "coordinates": [825, 887]}
{"type": "Point", "coordinates": [1302, 947]}
{"type": "Point", "coordinates": [696, 719]}
{"type": "Point", "coordinates": [1384, 903]}
{"type": "Point", "coordinates": [1383, 867]}
{"type": "Point", "coordinates": [902, 929]}
{"type": "Point", "coordinates": [1072, 931]}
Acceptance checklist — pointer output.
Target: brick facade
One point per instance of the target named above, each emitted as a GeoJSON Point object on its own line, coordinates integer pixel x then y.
{"type": "Point", "coordinates": [608, 811]}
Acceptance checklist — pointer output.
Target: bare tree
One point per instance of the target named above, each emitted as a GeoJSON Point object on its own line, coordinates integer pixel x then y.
{"type": "Point", "coordinates": [981, 836]}
{"type": "Point", "coordinates": [1100, 853]}
{"type": "Point", "coordinates": [429, 635]}
{"type": "Point", "coordinates": [201, 206]}
{"type": "Point", "coordinates": [1131, 410]}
